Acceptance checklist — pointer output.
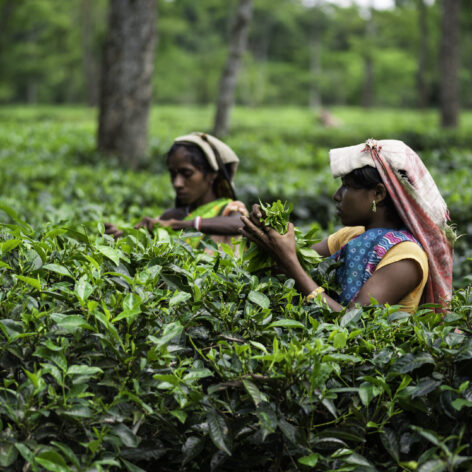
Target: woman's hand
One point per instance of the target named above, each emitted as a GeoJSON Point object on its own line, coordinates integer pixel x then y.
{"type": "Point", "coordinates": [147, 223]}
{"type": "Point", "coordinates": [281, 247]}
{"type": "Point", "coordinates": [112, 230]}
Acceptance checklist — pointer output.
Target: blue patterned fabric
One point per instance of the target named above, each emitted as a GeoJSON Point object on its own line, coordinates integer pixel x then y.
{"type": "Point", "coordinates": [360, 258]}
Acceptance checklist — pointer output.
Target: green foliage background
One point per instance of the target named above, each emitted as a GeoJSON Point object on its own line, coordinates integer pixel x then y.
{"type": "Point", "coordinates": [146, 354]}
{"type": "Point", "coordinates": [50, 52]}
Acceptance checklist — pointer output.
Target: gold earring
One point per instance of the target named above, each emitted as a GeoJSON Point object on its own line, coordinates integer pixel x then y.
{"type": "Point", "coordinates": [374, 206]}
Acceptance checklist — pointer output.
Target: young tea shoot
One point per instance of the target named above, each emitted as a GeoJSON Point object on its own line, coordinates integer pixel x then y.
{"type": "Point", "coordinates": [276, 215]}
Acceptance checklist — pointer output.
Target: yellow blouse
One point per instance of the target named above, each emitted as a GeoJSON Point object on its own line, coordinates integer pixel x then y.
{"type": "Point", "coordinates": [401, 251]}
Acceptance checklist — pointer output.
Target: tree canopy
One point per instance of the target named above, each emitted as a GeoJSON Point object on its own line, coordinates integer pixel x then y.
{"type": "Point", "coordinates": [47, 47]}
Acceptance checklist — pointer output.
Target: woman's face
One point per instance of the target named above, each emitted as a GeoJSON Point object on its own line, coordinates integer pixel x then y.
{"type": "Point", "coordinates": [191, 185]}
{"type": "Point", "coordinates": [354, 205]}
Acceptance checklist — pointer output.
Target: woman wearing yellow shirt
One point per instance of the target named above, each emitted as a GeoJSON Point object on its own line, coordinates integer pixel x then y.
{"type": "Point", "coordinates": [395, 247]}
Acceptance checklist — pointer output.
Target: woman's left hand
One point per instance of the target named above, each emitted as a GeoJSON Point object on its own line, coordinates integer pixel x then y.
{"type": "Point", "coordinates": [282, 247]}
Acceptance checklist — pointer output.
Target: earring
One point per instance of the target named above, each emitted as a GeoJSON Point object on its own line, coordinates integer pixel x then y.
{"type": "Point", "coordinates": [374, 206]}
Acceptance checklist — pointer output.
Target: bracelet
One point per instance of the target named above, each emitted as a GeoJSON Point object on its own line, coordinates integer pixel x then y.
{"type": "Point", "coordinates": [197, 222]}
{"type": "Point", "coordinates": [312, 295]}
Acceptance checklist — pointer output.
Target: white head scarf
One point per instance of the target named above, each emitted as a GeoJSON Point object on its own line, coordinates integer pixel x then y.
{"type": "Point", "coordinates": [400, 157]}
{"type": "Point", "coordinates": [209, 144]}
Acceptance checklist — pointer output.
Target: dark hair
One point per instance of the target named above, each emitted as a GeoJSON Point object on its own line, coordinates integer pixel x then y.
{"type": "Point", "coordinates": [197, 157]}
{"type": "Point", "coordinates": [221, 186]}
{"type": "Point", "coordinates": [368, 177]}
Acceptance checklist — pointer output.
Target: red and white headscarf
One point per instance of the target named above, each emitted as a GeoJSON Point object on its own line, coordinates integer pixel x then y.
{"type": "Point", "coordinates": [417, 200]}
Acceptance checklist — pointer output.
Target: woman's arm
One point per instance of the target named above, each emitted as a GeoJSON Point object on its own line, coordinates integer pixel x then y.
{"type": "Point", "coordinates": [219, 225]}
{"type": "Point", "coordinates": [283, 249]}
{"type": "Point", "coordinates": [322, 248]}
{"type": "Point", "coordinates": [390, 284]}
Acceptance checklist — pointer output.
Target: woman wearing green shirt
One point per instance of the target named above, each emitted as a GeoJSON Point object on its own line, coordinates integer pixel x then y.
{"type": "Point", "coordinates": [201, 169]}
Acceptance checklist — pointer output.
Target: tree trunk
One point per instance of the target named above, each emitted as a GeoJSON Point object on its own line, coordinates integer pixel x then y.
{"type": "Point", "coordinates": [5, 13]}
{"type": "Point", "coordinates": [449, 63]}
{"type": "Point", "coordinates": [31, 92]}
{"type": "Point", "coordinates": [88, 59]}
{"type": "Point", "coordinates": [125, 89]}
{"type": "Point", "coordinates": [238, 40]}
{"type": "Point", "coordinates": [315, 69]}
{"type": "Point", "coordinates": [423, 55]}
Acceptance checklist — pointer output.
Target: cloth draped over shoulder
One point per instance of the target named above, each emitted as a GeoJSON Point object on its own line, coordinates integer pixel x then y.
{"type": "Point", "coordinates": [417, 201]}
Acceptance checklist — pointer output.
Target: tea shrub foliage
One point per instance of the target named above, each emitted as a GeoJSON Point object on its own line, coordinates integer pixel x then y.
{"type": "Point", "coordinates": [145, 354]}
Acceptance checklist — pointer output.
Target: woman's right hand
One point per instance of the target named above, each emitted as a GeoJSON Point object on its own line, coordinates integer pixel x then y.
{"type": "Point", "coordinates": [147, 223]}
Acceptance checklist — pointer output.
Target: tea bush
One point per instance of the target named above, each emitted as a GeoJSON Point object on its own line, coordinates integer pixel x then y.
{"type": "Point", "coordinates": [146, 354]}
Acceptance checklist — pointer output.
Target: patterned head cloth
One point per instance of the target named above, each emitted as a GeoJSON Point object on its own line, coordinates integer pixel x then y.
{"type": "Point", "coordinates": [417, 200]}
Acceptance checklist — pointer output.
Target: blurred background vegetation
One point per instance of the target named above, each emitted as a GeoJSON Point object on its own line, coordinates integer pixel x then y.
{"type": "Point", "coordinates": [299, 52]}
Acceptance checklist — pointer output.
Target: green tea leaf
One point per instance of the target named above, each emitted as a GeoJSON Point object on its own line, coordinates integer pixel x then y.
{"type": "Point", "coordinates": [424, 387]}
{"type": "Point", "coordinates": [435, 465]}
{"type": "Point", "coordinates": [25, 452]}
{"type": "Point", "coordinates": [196, 374]}
{"type": "Point", "coordinates": [8, 245]}
{"type": "Point", "coordinates": [390, 442]}
{"type": "Point", "coordinates": [8, 454]}
{"type": "Point", "coordinates": [180, 415]}
{"type": "Point", "coordinates": [83, 370]}
{"type": "Point", "coordinates": [179, 297]}
{"type": "Point", "coordinates": [459, 403]}
{"type": "Point", "coordinates": [310, 460]}
{"type": "Point", "coordinates": [367, 392]}
{"type": "Point", "coordinates": [218, 431]}
{"type": "Point", "coordinates": [259, 346]}
{"type": "Point", "coordinates": [170, 331]}
{"type": "Point", "coordinates": [59, 269]}
{"type": "Point", "coordinates": [289, 431]}
{"type": "Point", "coordinates": [410, 362]}
{"type": "Point", "coordinates": [110, 253]}
{"type": "Point", "coordinates": [52, 461]}
{"type": "Point", "coordinates": [192, 447]}
{"type": "Point", "coordinates": [79, 412]}
{"type": "Point", "coordinates": [30, 281]}
{"type": "Point", "coordinates": [339, 340]}
{"type": "Point", "coordinates": [70, 322]}
{"type": "Point", "coordinates": [277, 215]}
{"type": "Point", "coordinates": [128, 438]}
{"type": "Point", "coordinates": [352, 316]}
{"type": "Point", "coordinates": [132, 467]}
{"type": "Point", "coordinates": [259, 299]}
{"type": "Point", "coordinates": [256, 395]}
{"type": "Point", "coordinates": [287, 324]}
{"type": "Point", "coordinates": [83, 288]}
